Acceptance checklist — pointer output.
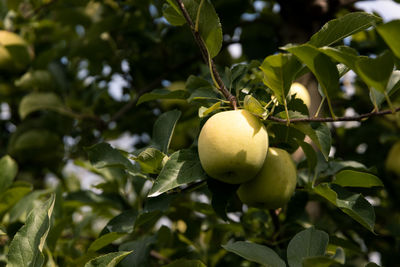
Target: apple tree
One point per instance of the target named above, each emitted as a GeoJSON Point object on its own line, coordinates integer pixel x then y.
{"type": "Point", "coordinates": [103, 102]}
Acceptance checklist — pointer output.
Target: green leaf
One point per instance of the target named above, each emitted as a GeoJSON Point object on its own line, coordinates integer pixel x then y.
{"type": "Point", "coordinates": [108, 260]}
{"type": "Point", "coordinates": [13, 194]}
{"type": "Point", "coordinates": [342, 54]}
{"type": "Point", "coordinates": [173, 14]}
{"type": "Point", "coordinates": [310, 154]}
{"type": "Point", "coordinates": [338, 29]}
{"type": "Point", "coordinates": [209, 26]}
{"type": "Point", "coordinates": [204, 111]}
{"type": "Point", "coordinates": [321, 65]}
{"type": "Point", "coordinates": [8, 171]}
{"type": "Point", "coordinates": [221, 193]}
{"type": "Point", "coordinates": [183, 167]}
{"type": "Point", "coordinates": [307, 243]}
{"type": "Point", "coordinates": [163, 129]}
{"type": "Point", "coordinates": [141, 248]}
{"type": "Point", "coordinates": [375, 72]}
{"type": "Point", "coordinates": [326, 261]}
{"type": "Point", "coordinates": [122, 223]}
{"type": "Point", "coordinates": [251, 104]}
{"type": "Point", "coordinates": [186, 263]}
{"type": "Point", "coordinates": [102, 155]}
{"type": "Point", "coordinates": [319, 134]}
{"type": "Point", "coordinates": [390, 32]}
{"type": "Point", "coordinates": [279, 72]}
{"type": "Point", "coordinates": [349, 178]}
{"type": "Point", "coordinates": [392, 87]}
{"type": "Point", "coordinates": [151, 160]}
{"type": "Point", "coordinates": [354, 205]}
{"type": "Point", "coordinates": [162, 94]}
{"type": "Point", "coordinates": [40, 101]}
{"type": "Point", "coordinates": [104, 240]}
{"type": "Point", "coordinates": [26, 249]}
{"type": "Point", "coordinates": [256, 253]}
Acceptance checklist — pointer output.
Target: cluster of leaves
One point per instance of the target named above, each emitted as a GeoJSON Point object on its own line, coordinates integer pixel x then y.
{"type": "Point", "coordinates": [155, 205]}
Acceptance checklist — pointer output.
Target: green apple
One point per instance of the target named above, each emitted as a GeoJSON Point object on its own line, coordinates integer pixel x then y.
{"type": "Point", "coordinates": [15, 54]}
{"type": "Point", "coordinates": [301, 93]}
{"type": "Point", "coordinates": [274, 185]}
{"type": "Point", "coordinates": [393, 159]}
{"type": "Point", "coordinates": [232, 146]}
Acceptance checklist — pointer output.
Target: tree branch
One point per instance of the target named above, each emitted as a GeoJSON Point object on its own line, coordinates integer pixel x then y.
{"type": "Point", "coordinates": [329, 119]}
{"type": "Point", "coordinates": [204, 52]}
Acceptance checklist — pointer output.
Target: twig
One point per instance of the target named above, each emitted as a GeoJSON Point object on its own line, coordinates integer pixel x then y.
{"type": "Point", "coordinates": [158, 256]}
{"type": "Point", "coordinates": [329, 119]}
{"type": "Point", "coordinates": [204, 52]}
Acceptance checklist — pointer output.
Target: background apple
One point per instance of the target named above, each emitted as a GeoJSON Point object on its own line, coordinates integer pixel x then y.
{"type": "Point", "coordinates": [393, 159]}
{"type": "Point", "coordinates": [14, 52]}
{"type": "Point", "coordinates": [301, 93]}
{"type": "Point", "coordinates": [233, 146]}
{"type": "Point", "coordinates": [274, 184]}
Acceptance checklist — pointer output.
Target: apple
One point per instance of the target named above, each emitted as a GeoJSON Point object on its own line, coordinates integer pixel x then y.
{"type": "Point", "coordinates": [274, 185]}
{"type": "Point", "coordinates": [392, 163]}
{"type": "Point", "coordinates": [232, 146]}
{"type": "Point", "coordinates": [301, 92]}
{"type": "Point", "coordinates": [15, 54]}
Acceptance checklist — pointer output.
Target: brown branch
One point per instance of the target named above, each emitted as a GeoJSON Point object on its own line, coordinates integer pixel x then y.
{"type": "Point", "coordinates": [203, 49]}
{"type": "Point", "coordinates": [158, 256]}
{"type": "Point", "coordinates": [329, 119]}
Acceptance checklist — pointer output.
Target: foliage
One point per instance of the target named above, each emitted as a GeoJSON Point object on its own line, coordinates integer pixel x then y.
{"type": "Point", "coordinates": [97, 169]}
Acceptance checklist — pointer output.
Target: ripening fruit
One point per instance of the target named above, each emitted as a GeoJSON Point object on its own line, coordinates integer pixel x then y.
{"type": "Point", "coordinates": [232, 146]}
{"type": "Point", "coordinates": [274, 185]}
{"type": "Point", "coordinates": [393, 159]}
{"type": "Point", "coordinates": [14, 52]}
{"type": "Point", "coordinates": [301, 93]}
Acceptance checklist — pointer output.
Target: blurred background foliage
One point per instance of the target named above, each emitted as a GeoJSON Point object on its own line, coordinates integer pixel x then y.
{"type": "Point", "coordinates": [94, 59]}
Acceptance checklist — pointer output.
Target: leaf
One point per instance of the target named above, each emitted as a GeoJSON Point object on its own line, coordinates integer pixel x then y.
{"type": "Point", "coordinates": [39, 101]}
{"type": "Point", "coordinates": [141, 248]}
{"type": "Point", "coordinates": [183, 167]}
{"type": "Point", "coordinates": [354, 205]}
{"type": "Point", "coordinates": [8, 171]}
{"type": "Point", "coordinates": [390, 32]}
{"type": "Point", "coordinates": [12, 195]}
{"type": "Point", "coordinates": [186, 263]}
{"type": "Point", "coordinates": [162, 94]}
{"type": "Point", "coordinates": [319, 134]}
{"type": "Point", "coordinates": [279, 72]}
{"type": "Point", "coordinates": [102, 155]}
{"type": "Point", "coordinates": [320, 65]}
{"type": "Point", "coordinates": [209, 26]}
{"type": "Point", "coordinates": [307, 243]}
{"type": "Point", "coordinates": [342, 54]}
{"type": "Point", "coordinates": [204, 111]}
{"type": "Point", "coordinates": [104, 240]}
{"type": "Point", "coordinates": [26, 249]}
{"type": "Point", "coordinates": [173, 14]}
{"type": "Point", "coordinates": [326, 261]}
{"type": "Point", "coordinates": [163, 129]}
{"type": "Point", "coordinates": [251, 104]}
{"type": "Point", "coordinates": [338, 29]}
{"type": "Point", "coordinates": [221, 193]}
{"type": "Point", "coordinates": [151, 160]}
{"type": "Point", "coordinates": [310, 154]}
{"type": "Point", "coordinates": [122, 223]}
{"type": "Point", "coordinates": [108, 260]}
{"type": "Point", "coordinates": [375, 72]}
{"type": "Point", "coordinates": [349, 178]}
{"type": "Point", "coordinates": [193, 83]}
{"type": "Point", "coordinates": [256, 253]}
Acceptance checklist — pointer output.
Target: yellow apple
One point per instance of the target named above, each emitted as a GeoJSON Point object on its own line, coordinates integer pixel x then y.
{"type": "Point", "coordinates": [232, 146]}
{"type": "Point", "coordinates": [14, 52]}
{"type": "Point", "coordinates": [393, 159]}
{"type": "Point", "coordinates": [301, 93]}
{"type": "Point", "coordinates": [274, 184]}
